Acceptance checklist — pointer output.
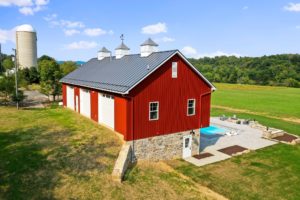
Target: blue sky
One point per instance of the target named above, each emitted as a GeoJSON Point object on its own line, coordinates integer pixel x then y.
{"type": "Point", "coordinates": [77, 29]}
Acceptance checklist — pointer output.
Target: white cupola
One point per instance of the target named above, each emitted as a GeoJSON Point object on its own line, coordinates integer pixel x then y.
{"type": "Point", "coordinates": [122, 50]}
{"type": "Point", "coordinates": [148, 47]}
{"type": "Point", "coordinates": [103, 53]}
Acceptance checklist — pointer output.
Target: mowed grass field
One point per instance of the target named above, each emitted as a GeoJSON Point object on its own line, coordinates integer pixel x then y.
{"type": "Point", "coordinates": [272, 173]}
{"type": "Point", "coordinates": [269, 101]}
{"type": "Point", "coordinates": [55, 153]}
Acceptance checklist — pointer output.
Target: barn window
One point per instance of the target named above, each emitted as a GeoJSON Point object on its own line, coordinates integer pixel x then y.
{"type": "Point", "coordinates": [174, 69]}
{"type": "Point", "coordinates": [191, 107]}
{"type": "Point", "coordinates": [153, 110]}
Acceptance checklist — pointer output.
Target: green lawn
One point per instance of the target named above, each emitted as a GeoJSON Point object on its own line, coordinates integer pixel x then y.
{"type": "Point", "coordinates": [58, 154]}
{"type": "Point", "coordinates": [274, 101]}
{"type": "Point", "coordinates": [271, 173]}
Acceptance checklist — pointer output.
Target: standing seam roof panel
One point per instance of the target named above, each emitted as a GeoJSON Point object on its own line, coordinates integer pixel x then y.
{"type": "Point", "coordinates": [116, 74]}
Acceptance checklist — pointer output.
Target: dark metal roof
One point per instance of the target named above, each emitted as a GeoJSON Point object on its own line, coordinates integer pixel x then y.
{"type": "Point", "coordinates": [104, 49]}
{"type": "Point", "coordinates": [121, 75]}
{"type": "Point", "coordinates": [149, 42]}
{"type": "Point", "coordinates": [122, 46]}
{"type": "Point", "coordinates": [116, 75]}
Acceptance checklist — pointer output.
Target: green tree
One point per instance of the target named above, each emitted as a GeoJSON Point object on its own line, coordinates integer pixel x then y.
{"type": "Point", "coordinates": [50, 74]}
{"type": "Point", "coordinates": [31, 75]}
{"type": "Point", "coordinates": [34, 76]}
{"type": "Point", "coordinates": [7, 87]}
{"type": "Point", "coordinates": [8, 63]}
{"type": "Point", "coordinates": [266, 70]}
{"type": "Point", "coordinates": [68, 67]}
{"type": "Point", "coordinates": [18, 98]}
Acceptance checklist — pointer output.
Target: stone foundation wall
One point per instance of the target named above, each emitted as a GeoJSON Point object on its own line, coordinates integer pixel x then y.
{"type": "Point", "coordinates": [164, 147]}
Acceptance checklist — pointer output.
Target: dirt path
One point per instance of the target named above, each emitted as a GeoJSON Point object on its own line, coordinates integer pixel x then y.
{"type": "Point", "coordinates": [288, 119]}
{"type": "Point", "coordinates": [210, 194]}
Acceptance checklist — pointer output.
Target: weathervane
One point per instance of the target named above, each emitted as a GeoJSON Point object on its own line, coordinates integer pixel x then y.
{"type": "Point", "coordinates": [122, 37]}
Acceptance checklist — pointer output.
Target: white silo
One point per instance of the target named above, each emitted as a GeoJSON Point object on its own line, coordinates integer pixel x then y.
{"type": "Point", "coordinates": [26, 46]}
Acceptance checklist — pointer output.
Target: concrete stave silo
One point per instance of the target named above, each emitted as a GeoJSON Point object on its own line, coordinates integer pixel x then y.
{"type": "Point", "coordinates": [26, 41]}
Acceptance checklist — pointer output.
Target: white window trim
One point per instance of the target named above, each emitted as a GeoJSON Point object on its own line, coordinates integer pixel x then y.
{"type": "Point", "coordinates": [150, 110]}
{"type": "Point", "coordinates": [188, 107]}
{"type": "Point", "coordinates": [175, 75]}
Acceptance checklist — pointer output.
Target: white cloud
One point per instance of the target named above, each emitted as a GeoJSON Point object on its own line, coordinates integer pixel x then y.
{"type": "Point", "coordinates": [298, 27]}
{"type": "Point", "coordinates": [30, 10]}
{"type": "Point", "coordinates": [8, 35]}
{"type": "Point", "coordinates": [26, 7]}
{"type": "Point", "coordinates": [19, 3]}
{"type": "Point", "coordinates": [74, 27]}
{"type": "Point", "coordinates": [72, 24]}
{"type": "Point", "coordinates": [168, 39]}
{"type": "Point", "coordinates": [192, 52]}
{"type": "Point", "coordinates": [70, 32]}
{"type": "Point", "coordinates": [51, 17]}
{"type": "Point", "coordinates": [41, 2]}
{"type": "Point", "coordinates": [292, 7]}
{"type": "Point", "coordinates": [245, 8]}
{"type": "Point", "coordinates": [81, 45]}
{"type": "Point", "coordinates": [188, 50]}
{"type": "Point", "coordinates": [94, 31]}
{"type": "Point", "coordinates": [155, 28]}
{"type": "Point", "coordinates": [164, 39]}
{"type": "Point", "coordinates": [26, 11]}
{"type": "Point", "coordinates": [53, 21]}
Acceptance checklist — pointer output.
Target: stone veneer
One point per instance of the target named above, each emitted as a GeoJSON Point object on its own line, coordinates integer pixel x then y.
{"type": "Point", "coordinates": [164, 147]}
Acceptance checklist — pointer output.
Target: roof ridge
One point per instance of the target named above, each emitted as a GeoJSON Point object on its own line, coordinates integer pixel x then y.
{"type": "Point", "coordinates": [134, 54]}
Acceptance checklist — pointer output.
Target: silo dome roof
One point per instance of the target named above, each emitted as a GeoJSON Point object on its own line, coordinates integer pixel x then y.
{"type": "Point", "coordinates": [26, 28]}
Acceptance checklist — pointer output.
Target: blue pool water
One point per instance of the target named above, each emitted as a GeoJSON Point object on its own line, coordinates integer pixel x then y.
{"type": "Point", "coordinates": [212, 130]}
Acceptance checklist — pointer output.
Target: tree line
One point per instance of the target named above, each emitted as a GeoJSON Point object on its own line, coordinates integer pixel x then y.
{"type": "Point", "coordinates": [47, 75]}
{"type": "Point", "coordinates": [275, 70]}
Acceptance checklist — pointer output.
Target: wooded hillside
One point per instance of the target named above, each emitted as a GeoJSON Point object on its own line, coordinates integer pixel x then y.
{"type": "Point", "coordinates": [280, 70]}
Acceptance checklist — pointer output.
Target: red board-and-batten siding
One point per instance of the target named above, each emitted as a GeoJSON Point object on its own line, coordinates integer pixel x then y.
{"type": "Point", "coordinates": [172, 95]}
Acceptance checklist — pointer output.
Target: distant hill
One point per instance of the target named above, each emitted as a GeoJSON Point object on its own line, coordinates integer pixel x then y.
{"type": "Point", "coordinates": [279, 70]}
{"type": "Point", "coordinates": [79, 63]}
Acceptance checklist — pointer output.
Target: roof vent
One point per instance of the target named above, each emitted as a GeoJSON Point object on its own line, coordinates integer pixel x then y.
{"type": "Point", "coordinates": [122, 49]}
{"type": "Point", "coordinates": [103, 53]}
{"type": "Point", "coordinates": [148, 47]}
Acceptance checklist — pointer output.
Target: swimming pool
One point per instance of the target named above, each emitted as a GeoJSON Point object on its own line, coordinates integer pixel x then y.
{"type": "Point", "coordinates": [212, 130]}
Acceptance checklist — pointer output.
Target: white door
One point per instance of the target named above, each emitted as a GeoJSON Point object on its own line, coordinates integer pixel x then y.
{"type": "Point", "coordinates": [76, 103]}
{"type": "Point", "coordinates": [106, 110]}
{"type": "Point", "coordinates": [70, 97]}
{"type": "Point", "coordinates": [187, 146]}
{"type": "Point", "coordinates": [85, 103]}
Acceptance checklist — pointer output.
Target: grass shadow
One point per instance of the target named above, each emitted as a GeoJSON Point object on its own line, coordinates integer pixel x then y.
{"type": "Point", "coordinates": [23, 171]}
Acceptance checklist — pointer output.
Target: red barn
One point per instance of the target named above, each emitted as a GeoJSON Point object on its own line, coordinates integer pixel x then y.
{"type": "Point", "coordinates": [157, 100]}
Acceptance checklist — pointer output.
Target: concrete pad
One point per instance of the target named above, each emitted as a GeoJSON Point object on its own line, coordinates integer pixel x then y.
{"type": "Point", "coordinates": [217, 156]}
{"type": "Point", "coordinates": [247, 137]}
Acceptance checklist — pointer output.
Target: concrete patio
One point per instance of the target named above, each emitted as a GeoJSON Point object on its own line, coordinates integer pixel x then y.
{"type": "Point", "coordinates": [247, 137]}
